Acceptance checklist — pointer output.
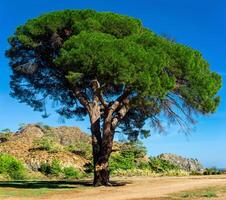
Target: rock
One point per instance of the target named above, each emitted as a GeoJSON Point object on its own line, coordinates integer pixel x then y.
{"type": "Point", "coordinates": [187, 164]}
{"type": "Point", "coordinates": [21, 146]}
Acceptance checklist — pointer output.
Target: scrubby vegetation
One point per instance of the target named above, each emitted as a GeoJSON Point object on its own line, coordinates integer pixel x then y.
{"type": "Point", "coordinates": [55, 169]}
{"type": "Point", "coordinates": [131, 160]}
{"type": "Point", "coordinates": [11, 167]}
{"type": "Point", "coordinates": [212, 171]}
{"type": "Point", "coordinates": [56, 151]}
{"type": "Point", "coordinates": [48, 144]}
{"type": "Point", "coordinates": [160, 166]}
{"type": "Point", "coordinates": [83, 149]}
{"type": "Point", "coordinates": [71, 173]}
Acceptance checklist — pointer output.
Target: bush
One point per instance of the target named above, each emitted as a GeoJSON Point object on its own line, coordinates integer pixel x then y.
{"type": "Point", "coordinates": [136, 148]}
{"type": "Point", "coordinates": [123, 160]}
{"type": "Point", "coordinates": [129, 157]}
{"type": "Point", "coordinates": [83, 149]}
{"type": "Point", "coordinates": [159, 165]}
{"type": "Point", "coordinates": [71, 173]}
{"type": "Point", "coordinates": [44, 143]}
{"type": "Point", "coordinates": [47, 144]}
{"type": "Point", "coordinates": [53, 169]}
{"type": "Point", "coordinates": [45, 168]}
{"type": "Point", "coordinates": [212, 171]}
{"type": "Point", "coordinates": [140, 164]}
{"type": "Point", "coordinates": [11, 167]}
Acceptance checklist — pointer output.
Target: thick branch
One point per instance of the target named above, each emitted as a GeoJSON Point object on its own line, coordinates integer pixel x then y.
{"type": "Point", "coordinates": [121, 114]}
{"type": "Point", "coordinates": [120, 100]}
{"type": "Point", "coordinates": [97, 96]}
{"type": "Point", "coordinates": [82, 99]}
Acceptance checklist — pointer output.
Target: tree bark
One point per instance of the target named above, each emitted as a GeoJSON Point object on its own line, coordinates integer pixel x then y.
{"type": "Point", "coordinates": [102, 141]}
{"type": "Point", "coordinates": [102, 155]}
{"type": "Point", "coordinates": [101, 167]}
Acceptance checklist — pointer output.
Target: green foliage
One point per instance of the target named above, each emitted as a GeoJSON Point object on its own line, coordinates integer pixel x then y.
{"type": "Point", "coordinates": [55, 169]}
{"type": "Point", "coordinates": [68, 49]}
{"type": "Point", "coordinates": [212, 171]}
{"type": "Point", "coordinates": [44, 143]}
{"type": "Point", "coordinates": [47, 143]}
{"type": "Point", "coordinates": [136, 148]}
{"type": "Point", "coordinates": [160, 165]}
{"type": "Point", "coordinates": [129, 157]}
{"type": "Point", "coordinates": [122, 161]}
{"type": "Point", "coordinates": [52, 169]}
{"type": "Point", "coordinates": [45, 168]}
{"type": "Point", "coordinates": [83, 149]}
{"type": "Point", "coordinates": [200, 193]}
{"type": "Point", "coordinates": [71, 173]}
{"type": "Point", "coordinates": [11, 166]}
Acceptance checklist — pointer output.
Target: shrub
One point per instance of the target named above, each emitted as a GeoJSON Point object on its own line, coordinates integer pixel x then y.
{"type": "Point", "coordinates": [47, 144]}
{"type": "Point", "coordinates": [83, 149]}
{"type": "Point", "coordinates": [44, 143]}
{"type": "Point", "coordinates": [123, 160]}
{"type": "Point", "coordinates": [140, 164]}
{"type": "Point", "coordinates": [129, 157]}
{"type": "Point", "coordinates": [45, 168]}
{"type": "Point", "coordinates": [53, 169]}
{"type": "Point", "coordinates": [160, 165]}
{"type": "Point", "coordinates": [136, 148]}
{"type": "Point", "coordinates": [11, 166]}
{"type": "Point", "coordinates": [71, 173]}
{"type": "Point", "coordinates": [212, 171]}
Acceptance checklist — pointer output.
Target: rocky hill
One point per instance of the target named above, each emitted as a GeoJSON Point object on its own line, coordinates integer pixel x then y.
{"type": "Point", "coordinates": [24, 145]}
{"type": "Point", "coordinates": [187, 164]}
{"type": "Point", "coordinates": [36, 144]}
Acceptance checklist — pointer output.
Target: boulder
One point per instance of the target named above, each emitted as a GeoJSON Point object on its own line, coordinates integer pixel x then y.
{"type": "Point", "coordinates": [187, 164]}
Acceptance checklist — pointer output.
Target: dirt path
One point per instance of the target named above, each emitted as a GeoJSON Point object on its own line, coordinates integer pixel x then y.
{"type": "Point", "coordinates": [137, 188]}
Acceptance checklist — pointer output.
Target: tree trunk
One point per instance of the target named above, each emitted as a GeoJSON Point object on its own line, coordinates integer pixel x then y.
{"type": "Point", "coordinates": [101, 157]}
{"type": "Point", "coordinates": [101, 170]}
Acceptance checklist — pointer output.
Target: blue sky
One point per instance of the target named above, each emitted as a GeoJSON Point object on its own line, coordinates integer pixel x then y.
{"type": "Point", "coordinates": [199, 24]}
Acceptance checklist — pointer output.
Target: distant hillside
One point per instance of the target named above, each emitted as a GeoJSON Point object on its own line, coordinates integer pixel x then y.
{"type": "Point", "coordinates": [187, 164]}
{"type": "Point", "coordinates": [38, 146]}
{"type": "Point", "coordinates": [24, 145]}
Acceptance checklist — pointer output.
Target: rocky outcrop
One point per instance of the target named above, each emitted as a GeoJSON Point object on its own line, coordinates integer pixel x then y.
{"type": "Point", "coordinates": [21, 145]}
{"type": "Point", "coordinates": [187, 164]}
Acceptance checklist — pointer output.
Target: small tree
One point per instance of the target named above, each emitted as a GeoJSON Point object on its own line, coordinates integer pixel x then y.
{"type": "Point", "coordinates": [114, 70]}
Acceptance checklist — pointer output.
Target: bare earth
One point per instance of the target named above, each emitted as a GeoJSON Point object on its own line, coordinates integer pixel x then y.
{"type": "Point", "coordinates": [137, 188]}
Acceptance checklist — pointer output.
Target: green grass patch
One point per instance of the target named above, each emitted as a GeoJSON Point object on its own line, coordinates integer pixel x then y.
{"type": "Point", "coordinates": [200, 193]}
{"type": "Point", "coordinates": [38, 188]}
{"type": "Point", "coordinates": [224, 189]}
{"type": "Point", "coordinates": [10, 166]}
{"type": "Point", "coordinates": [11, 192]}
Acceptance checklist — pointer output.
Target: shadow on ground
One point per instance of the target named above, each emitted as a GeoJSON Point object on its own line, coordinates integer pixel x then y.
{"type": "Point", "coordinates": [53, 184]}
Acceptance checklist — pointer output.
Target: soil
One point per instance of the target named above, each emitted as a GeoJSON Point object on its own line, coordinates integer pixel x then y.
{"type": "Point", "coordinates": [135, 188]}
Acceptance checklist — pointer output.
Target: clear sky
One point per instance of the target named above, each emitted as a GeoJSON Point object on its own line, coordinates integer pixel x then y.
{"type": "Point", "coordinates": [200, 24]}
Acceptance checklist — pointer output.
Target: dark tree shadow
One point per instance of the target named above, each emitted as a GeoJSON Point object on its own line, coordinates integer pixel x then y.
{"type": "Point", "coordinates": [54, 184]}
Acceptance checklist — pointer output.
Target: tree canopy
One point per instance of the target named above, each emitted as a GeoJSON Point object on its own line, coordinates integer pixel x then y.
{"type": "Point", "coordinates": [59, 56]}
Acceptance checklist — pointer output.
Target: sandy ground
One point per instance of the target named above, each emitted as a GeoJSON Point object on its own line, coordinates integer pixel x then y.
{"type": "Point", "coordinates": [137, 188]}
